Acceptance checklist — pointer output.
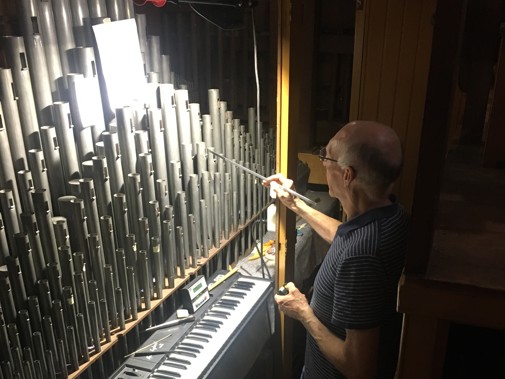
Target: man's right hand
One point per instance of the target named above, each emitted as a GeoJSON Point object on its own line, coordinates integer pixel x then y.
{"type": "Point", "coordinates": [276, 182]}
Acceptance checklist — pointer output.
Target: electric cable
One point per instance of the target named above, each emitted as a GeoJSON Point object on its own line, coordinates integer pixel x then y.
{"type": "Point", "coordinates": [256, 75]}
{"type": "Point", "coordinates": [205, 18]}
{"type": "Point", "coordinates": [260, 250]}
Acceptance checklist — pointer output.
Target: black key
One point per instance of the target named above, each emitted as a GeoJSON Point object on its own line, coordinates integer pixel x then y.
{"type": "Point", "coordinates": [201, 334]}
{"type": "Point", "coordinates": [206, 327]}
{"type": "Point", "coordinates": [230, 301]}
{"type": "Point", "coordinates": [196, 338]}
{"type": "Point", "coordinates": [193, 345]}
{"type": "Point", "coordinates": [228, 306]}
{"type": "Point", "coordinates": [243, 285]}
{"type": "Point", "coordinates": [236, 294]}
{"type": "Point", "coordinates": [222, 313]}
{"type": "Point", "coordinates": [189, 349]}
{"type": "Point", "coordinates": [183, 352]}
{"type": "Point", "coordinates": [218, 315]}
{"type": "Point", "coordinates": [215, 323]}
{"type": "Point", "coordinates": [178, 360]}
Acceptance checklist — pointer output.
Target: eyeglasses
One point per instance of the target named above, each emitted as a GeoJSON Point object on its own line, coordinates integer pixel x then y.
{"type": "Point", "coordinates": [323, 157]}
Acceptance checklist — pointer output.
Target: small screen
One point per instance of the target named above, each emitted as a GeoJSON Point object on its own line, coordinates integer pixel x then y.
{"type": "Point", "coordinates": [197, 287]}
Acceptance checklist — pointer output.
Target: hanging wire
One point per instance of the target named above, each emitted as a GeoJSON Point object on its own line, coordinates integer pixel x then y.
{"type": "Point", "coordinates": [257, 79]}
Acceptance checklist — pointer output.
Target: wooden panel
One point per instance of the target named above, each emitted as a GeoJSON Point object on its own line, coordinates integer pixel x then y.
{"type": "Point", "coordinates": [405, 72]}
{"type": "Point", "coordinates": [412, 134]}
{"type": "Point", "coordinates": [357, 67]}
{"type": "Point", "coordinates": [392, 52]}
{"type": "Point", "coordinates": [434, 134]}
{"type": "Point", "coordinates": [301, 113]}
{"type": "Point", "coordinates": [391, 60]}
{"type": "Point", "coordinates": [372, 69]}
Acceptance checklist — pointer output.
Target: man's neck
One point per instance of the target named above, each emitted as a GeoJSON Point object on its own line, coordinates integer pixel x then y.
{"type": "Point", "coordinates": [361, 204]}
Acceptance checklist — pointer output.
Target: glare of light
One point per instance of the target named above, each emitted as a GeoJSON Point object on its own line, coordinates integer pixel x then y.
{"type": "Point", "coordinates": [121, 61]}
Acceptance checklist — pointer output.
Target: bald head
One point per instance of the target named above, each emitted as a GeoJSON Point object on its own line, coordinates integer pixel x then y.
{"type": "Point", "coordinates": [373, 150]}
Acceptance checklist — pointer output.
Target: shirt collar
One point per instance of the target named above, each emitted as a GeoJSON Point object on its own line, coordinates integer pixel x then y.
{"type": "Point", "coordinates": [366, 218]}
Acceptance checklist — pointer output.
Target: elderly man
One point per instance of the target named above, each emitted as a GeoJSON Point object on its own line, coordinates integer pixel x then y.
{"type": "Point", "coordinates": [352, 326]}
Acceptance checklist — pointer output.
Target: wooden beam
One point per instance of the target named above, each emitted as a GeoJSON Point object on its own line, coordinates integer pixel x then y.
{"type": "Point", "coordinates": [464, 304]}
{"type": "Point", "coordinates": [423, 346]}
{"type": "Point", "coordinates": [285, 164]}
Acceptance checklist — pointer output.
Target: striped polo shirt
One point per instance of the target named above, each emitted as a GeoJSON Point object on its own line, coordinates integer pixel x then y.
{"type": "Point", "coordinates": [356, 286]}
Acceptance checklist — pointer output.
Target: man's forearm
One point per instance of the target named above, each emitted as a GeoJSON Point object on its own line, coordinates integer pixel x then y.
{"type": "Point", "coordinates": [322, 224]}
{"type": "Point", "coordinates": [330, 345]}
{"type": "Point", "coordinates": [355, 358]}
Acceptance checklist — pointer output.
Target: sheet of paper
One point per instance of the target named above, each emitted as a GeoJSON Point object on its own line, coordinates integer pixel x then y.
{"type": "Point", "coordinates": [121, 61]}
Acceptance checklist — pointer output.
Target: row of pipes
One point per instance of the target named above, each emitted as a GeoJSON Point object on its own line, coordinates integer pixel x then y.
{"type": "Point", "coordinates": [102, 210]}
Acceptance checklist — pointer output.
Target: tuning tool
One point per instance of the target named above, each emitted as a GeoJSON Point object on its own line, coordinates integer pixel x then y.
{"type": "Point", "coordinates": [283, 291]}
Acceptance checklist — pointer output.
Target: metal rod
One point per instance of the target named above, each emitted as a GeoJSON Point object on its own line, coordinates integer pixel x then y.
{"type": "Point", "coordinates": [168, 245]}
{"type": "Point", "coordinates": [109, 295]}
{"type": "Point", "coordinates": [60, 346]}
{"type": "Point", "coordinates": [290, 191]}
{"type": "Point", "coordinates": [94, 296]}
{"type": "Point", "coordinates": [158, 150]}
{"type": "Point", "coordinates": [82, 333]}
{"type": "Point", "coordinates": [123, 281]}
{"type": "Point", "coordinates": [130, 276]}
{"type": "Point", "coordinates": [72, 345]}
{"type": "Point", "coordinates": [95, 335]}
{"type": "Point", "coordinates": [119, 307]}
{"type": "Point", "coordinates": [192, 240]}
{"type": "Point", "coordinates": [205, 229]}
{"type": "Point", "coordinates": [38, 344]}
{"type": "Point", "coordinates": [104, 313]}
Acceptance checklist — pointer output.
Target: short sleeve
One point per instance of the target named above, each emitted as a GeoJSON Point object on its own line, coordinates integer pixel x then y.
{"type": "Point", "coordinates": [360, 286]}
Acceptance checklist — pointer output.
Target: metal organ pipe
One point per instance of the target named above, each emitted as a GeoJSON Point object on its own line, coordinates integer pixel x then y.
{"type": "Point", "coordinates": [7, 170]}
{"type": "Point", "coordinates": [36, 59]}
{"type": "Point", "coordinates": [65, 34]}
{"type": "Point", "coordinates": [8, 98]}
{"type": "Point", "coordinates": [116, 9]}
{"type": "Point", "coordinates": [18, 62]}
{"type": "Point", "coordinates": [97, 8]}
{"type": "Point", "coordinates": [81, 23]}
{"type": "Point", "coordinates": [64, 133]}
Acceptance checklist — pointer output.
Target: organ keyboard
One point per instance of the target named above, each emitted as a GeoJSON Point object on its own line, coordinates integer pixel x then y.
{"type": "Point", "coordinates": [225, 339]}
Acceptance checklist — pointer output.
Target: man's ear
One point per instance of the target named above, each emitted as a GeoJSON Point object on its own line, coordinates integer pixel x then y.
{"type": "Point", "coordinates": [349, 175]}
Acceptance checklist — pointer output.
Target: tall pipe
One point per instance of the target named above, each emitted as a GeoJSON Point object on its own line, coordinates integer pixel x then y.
{"type": "Point", "coordinates": [216, 122]}
{"type": "Point", "coordinates": [64, 132]}
{"type": "Point", "coordinates": [7, 171]}
{"type": "Point", "coordinates": [16, 55]}
{"type": "Point", "coordinates": [81, 23]}
{"type": "Point", "coordinates": [66, 41]}
{"type": "Point", "coordinates": [32, 28]}
{"type": "Point", "coordinates": [52, 51]}
{"type": "Point", "coordinates": [51, 149]}
{"type": "Point", "coordinates": [9, 98]}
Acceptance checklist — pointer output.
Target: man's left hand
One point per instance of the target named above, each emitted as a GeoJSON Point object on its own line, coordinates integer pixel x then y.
{"type": "Point", "coordinates": [294, 304]}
